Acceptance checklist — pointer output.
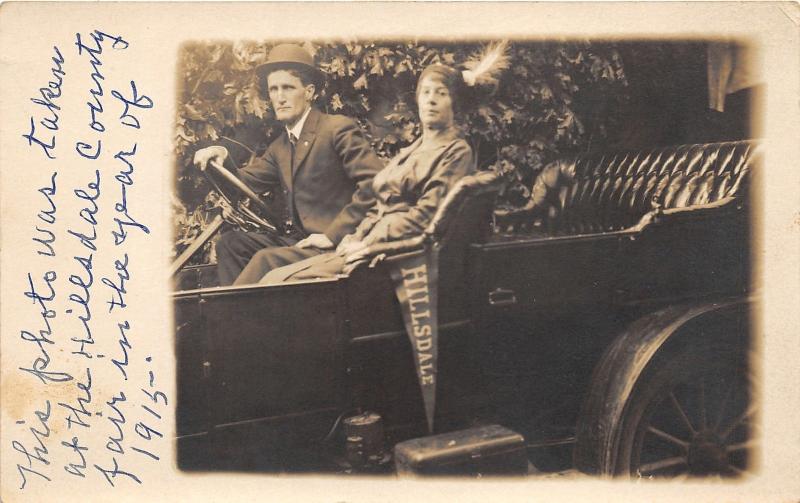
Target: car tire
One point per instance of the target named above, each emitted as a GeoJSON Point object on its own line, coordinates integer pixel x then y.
{"type": "Point", "coordinates": [690, 414]}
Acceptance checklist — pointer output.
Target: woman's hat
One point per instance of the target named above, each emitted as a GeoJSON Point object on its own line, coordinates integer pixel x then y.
{"type": "Point", "coordinates": [483, 68]}
{"type": "Point", "coordinates": [289, 56]}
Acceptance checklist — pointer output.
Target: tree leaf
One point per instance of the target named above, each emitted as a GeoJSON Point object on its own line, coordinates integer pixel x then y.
{"type": "Point", "coordinates": [336, 102]}
{"type": "Point", "coordinates": [361, 82]}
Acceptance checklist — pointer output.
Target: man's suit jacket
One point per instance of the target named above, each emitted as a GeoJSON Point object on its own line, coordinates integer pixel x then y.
{"type": "Point", "coordinates": [330, 181]}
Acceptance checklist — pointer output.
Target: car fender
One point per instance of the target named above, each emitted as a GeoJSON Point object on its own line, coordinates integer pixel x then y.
{"type": "Point", "coordinates": [649, 339]}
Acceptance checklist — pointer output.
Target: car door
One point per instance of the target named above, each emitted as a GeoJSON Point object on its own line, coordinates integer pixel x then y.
{"type": "Point", "coordinates": [259, 353]}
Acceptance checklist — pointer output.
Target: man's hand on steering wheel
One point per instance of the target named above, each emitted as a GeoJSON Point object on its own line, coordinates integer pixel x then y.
{"type": "Point", "coordinates": [205, 155]}
{"type": "Point", "coordinates": [232, 190]}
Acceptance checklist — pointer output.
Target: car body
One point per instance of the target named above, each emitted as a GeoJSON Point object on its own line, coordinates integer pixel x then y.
{"type": "Point", "coordinates": [570, 331]}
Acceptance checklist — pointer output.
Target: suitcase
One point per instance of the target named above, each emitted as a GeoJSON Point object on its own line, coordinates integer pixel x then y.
{"type": "Point", "coordinates": [486, 450]}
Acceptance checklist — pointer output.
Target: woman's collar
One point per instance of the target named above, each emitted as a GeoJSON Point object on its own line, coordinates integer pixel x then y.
{"type": "Point", "coordinates": [443, 137]}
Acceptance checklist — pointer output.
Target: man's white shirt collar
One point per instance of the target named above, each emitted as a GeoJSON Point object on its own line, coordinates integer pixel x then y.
{"type": "Point", "coordinates": [298, 128]}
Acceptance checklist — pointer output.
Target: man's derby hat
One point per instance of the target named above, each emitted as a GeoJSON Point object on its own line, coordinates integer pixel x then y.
{"type": "Point", "coordinates": [289, 56]}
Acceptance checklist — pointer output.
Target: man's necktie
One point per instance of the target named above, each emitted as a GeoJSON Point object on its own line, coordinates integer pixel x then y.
{"type": "Point", "coordinates": [293, 217]}
{"type": "Point", "coordinates": [293, 145]}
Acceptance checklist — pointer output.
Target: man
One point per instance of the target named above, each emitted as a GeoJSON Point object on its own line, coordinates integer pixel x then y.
{"type": "Point", "coordinates": [323, 163]}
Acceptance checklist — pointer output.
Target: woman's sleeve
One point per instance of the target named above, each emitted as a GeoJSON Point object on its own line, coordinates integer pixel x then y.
{"type": "Point", "coordinates": [454, 164]}
{"type": "Point", "coordinates": [367, 223]}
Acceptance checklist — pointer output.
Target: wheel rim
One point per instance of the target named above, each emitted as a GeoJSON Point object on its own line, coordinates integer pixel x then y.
{"type": "Point", "coordinates": [698, 427]}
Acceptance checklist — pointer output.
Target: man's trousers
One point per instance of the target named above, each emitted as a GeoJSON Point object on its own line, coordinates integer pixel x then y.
{"type": "Point", "coordinates": [244, 257]}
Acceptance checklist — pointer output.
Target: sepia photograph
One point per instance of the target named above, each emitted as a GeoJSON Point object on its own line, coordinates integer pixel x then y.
{"type": "Point", "coordinates": [360, 252]}
{"type": "Point", "coordinates": [469, 257]}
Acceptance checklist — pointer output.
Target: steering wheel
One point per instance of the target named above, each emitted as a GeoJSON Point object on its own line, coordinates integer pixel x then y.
{"type": "Point", "coordinates": [239, 197]}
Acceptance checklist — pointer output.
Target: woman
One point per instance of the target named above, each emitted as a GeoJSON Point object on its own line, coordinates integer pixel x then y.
{"type": "Point", "coordinates": [411, 187]}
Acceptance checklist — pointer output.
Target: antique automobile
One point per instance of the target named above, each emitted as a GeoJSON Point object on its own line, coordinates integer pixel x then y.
{"type": "Point", "coordinates": [605, 327]}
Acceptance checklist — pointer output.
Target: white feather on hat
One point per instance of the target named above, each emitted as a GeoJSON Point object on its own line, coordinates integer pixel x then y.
{"type": "Point", "coordinates": [485, 67]}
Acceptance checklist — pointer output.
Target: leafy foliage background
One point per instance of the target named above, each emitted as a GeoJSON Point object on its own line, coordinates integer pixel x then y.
{"type": "Point", "coordinates": [557, 98]}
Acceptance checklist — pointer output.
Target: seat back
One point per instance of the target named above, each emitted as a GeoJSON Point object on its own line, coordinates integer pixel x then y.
{"type": "Point", "coordinates": [465, 215]}
{"type": "Point", "coordinates": [603, 193]}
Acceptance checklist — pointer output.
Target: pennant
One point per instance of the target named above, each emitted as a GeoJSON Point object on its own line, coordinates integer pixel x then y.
{"type": "Point", "coordinates": [415, 277]}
